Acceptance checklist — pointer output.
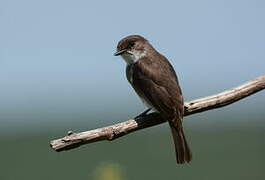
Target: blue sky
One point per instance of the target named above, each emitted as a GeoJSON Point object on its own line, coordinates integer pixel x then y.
{"type": "Point", "coordinates": [56, 57]}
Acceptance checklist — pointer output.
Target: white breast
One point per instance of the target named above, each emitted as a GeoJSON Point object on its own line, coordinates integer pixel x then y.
{"type": "Point", "coordinates": [129, 73]}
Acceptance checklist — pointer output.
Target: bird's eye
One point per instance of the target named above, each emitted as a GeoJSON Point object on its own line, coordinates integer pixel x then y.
{"type": "Point", "coordinates": [131, 44]}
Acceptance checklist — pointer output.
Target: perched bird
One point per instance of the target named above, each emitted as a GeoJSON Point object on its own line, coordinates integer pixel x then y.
{"type": "Point", "coordinates": [155, 81]}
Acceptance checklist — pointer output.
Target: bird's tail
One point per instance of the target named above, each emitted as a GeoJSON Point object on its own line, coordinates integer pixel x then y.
{"type": "Point", "coordinates": [183, 153]}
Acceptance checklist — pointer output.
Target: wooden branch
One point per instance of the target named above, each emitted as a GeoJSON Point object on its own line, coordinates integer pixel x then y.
{"type": "Point", "coordinates": [73, 140]}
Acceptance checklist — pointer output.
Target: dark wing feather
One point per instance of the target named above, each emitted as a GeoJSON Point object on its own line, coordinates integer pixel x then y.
{"type": "Point", "coordinates": [156, 81]}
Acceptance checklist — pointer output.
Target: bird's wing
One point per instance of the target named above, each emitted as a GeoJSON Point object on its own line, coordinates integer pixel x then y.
{"type": "Point", "coordinates": [156, 82]}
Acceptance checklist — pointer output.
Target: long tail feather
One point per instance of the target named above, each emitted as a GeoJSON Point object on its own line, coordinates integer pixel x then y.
{"type": "Point", "coordinates": [183, 153]}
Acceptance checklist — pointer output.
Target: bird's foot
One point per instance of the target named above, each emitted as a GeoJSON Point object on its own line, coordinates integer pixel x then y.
{"type": "Point", "coordinates": [143, 114]}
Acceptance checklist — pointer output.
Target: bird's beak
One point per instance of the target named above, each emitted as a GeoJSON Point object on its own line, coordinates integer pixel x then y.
{"type": "Point", "coordinates": [120, 52]}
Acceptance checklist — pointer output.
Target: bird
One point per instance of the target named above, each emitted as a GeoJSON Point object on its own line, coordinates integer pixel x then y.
{"type": "Point", "coordinates": [155, 81]}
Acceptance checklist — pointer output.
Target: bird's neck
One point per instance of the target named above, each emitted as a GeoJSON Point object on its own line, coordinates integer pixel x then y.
{"type": "Point", "coordinates": [133, 56]}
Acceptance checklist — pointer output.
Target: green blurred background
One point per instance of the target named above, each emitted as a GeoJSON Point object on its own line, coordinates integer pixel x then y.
{"type": "Point", "coordinates": [57, 73]}
{"type": "Point", "coordinates": [230, 151]}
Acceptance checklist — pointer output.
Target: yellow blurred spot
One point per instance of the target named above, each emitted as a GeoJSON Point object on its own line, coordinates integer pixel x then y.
{"type": "Point", "coordinates": [108, 171]}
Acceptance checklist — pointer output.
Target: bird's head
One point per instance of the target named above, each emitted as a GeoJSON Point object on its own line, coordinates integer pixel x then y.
{"type": "Point", "coordinates": [132, 48]}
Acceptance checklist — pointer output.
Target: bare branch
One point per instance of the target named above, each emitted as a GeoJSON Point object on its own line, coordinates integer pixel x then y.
{"type": "Point", "coordinates": [73, 140]}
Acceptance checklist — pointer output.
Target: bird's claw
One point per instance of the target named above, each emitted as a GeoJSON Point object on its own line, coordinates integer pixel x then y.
{"type": "Point", "coordinates": [143, 114]}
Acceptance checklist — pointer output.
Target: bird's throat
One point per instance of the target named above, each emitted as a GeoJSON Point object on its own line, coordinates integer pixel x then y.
{"type": "Point", "coordinates": [133, 56]}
